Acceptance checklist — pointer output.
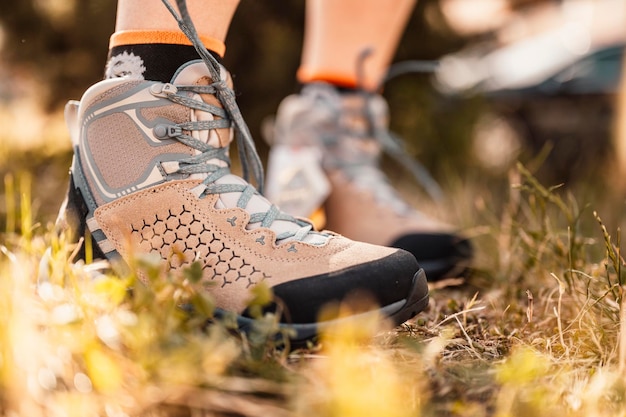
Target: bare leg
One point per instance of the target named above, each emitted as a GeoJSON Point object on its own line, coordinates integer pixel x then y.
{"type": "Point", "coordinates": [148, 44]}
{"type": "Point", "coordinates": [338, 32]}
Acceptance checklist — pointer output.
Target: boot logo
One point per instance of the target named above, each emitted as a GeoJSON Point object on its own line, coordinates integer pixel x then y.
{"type": "Point", "coordinates": [125, 65]}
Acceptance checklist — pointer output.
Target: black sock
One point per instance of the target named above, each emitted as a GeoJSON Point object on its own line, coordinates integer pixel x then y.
{"type": "Point", "coordinates": [154, 61]}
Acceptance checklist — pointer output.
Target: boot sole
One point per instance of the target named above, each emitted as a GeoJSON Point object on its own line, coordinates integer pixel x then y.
{"type": "Point", "coordinates": [398, 312]}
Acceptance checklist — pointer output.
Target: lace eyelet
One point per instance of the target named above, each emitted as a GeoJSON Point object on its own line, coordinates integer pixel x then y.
{"type": "Point", "coordinates": [162, 131]}
{"type": "Point", "coordinates": [163, 90]}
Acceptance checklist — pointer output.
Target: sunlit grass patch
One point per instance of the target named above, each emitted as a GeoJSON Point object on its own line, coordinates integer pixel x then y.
{"type": "Point", "coordinates": [538, 330]}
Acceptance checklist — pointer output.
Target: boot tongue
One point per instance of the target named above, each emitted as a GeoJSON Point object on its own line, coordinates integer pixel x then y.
{"type": "Point", "coordinates": [196, 73]}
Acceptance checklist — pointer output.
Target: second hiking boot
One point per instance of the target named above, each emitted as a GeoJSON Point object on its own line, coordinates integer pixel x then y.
{"type": "Point", "coordinates": [326, 151]}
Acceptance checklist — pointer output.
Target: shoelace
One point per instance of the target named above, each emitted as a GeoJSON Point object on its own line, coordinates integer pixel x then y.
{"type": "Point", "coordinates": [230, 116]}
{"type": "Point", "coordinates": [361, 167]}
{"type": "Point", "coordinates": [390, 142]}
{"type": "Point", "coordinates": [245, 144]}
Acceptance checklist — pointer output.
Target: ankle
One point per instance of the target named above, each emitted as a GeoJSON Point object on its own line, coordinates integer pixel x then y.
{"type": "Point", "coordinates": [152, 55]}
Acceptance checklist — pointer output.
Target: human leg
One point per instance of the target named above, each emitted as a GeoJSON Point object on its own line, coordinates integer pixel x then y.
{"type": "Point", "coordinates": [337, 33]}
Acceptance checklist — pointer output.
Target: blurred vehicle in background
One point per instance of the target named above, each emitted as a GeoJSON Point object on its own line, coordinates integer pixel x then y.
{"type": "Point", "coordinates": [551, 87]}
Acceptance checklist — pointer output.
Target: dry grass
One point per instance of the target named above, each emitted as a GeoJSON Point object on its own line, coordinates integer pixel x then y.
{"type": "Point", "coordinates": [538, 329]}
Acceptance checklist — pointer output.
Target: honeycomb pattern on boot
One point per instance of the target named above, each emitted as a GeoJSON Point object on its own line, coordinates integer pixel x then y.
{"type": "Point", "coordinates": [181, 239]}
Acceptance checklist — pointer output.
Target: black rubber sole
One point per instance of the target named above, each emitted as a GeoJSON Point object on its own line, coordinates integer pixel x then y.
{"type": "Point", "coordinates": [398, 312]}
{"type": "Point", "coordinates": [438, 269]}
{"type": "Point", "coordinates": [71, 219]}
{"type": "Point", "coordinates": [441, 255]}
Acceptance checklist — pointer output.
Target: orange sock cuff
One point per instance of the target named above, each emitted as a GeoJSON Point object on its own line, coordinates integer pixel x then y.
{"type": "Point", "coordinates": [138, 37]}
{"type": "Point", "coordinates": [306, 75]}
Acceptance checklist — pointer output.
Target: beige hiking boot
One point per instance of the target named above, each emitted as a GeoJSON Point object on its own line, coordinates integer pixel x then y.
{"type": "Point", "coordinates": [151, 174]}
{"type": "Point", "coordinates": [326, 151]}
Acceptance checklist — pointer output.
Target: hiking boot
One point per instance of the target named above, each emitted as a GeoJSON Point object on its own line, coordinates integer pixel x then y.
{"type": "Point", "coordinates": [151, 174]}
{"type": "Point", "coordinates": [326, 151]}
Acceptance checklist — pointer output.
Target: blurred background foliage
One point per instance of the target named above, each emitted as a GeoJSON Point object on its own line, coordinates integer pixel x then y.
{"type": "Point", "coordinates": [64, 45]}
{"type": "Point", "coordinates": [52, 50]}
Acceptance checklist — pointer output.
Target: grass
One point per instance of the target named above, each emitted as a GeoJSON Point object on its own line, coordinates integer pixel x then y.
{"type": "Point", "coordinates": [538, 328]}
